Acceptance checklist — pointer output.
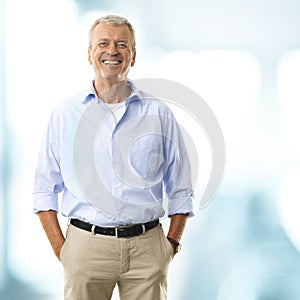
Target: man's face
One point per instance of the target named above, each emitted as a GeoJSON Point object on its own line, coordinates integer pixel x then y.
{"type": "Point", "coordinates": [111, 52]}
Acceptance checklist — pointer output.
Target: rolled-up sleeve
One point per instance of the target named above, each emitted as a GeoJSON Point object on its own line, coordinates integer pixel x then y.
{"type": "Point", "coordinates": [177, 178]}
{"type": "Point", "coordinates": [48, 182]}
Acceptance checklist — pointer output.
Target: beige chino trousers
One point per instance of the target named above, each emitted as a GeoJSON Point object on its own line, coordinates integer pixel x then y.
{"type": "Point", "coordinates": [95, 264]}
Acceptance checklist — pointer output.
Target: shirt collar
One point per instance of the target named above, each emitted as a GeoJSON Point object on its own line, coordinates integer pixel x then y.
{"type": "Point", "coordinates": [90, 93]}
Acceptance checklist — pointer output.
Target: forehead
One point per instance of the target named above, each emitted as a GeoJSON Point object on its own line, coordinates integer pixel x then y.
{"type": "Point", "coordinates": [109, 31]}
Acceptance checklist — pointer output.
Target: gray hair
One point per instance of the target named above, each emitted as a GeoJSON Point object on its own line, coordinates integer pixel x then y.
{"type": "Point", "coordinates": [112, 20]}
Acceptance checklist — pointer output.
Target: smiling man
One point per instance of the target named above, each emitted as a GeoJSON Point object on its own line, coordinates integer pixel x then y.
{"type": "Point", "coordinates": [113, 197]}
{"type": "Point", "coordinates": [112, 53]}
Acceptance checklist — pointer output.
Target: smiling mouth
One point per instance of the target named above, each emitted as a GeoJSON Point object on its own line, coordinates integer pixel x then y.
{"type": "Point", "coordinates": [111, 62]}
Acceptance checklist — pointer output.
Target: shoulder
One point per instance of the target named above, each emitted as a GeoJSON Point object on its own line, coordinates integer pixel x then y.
{"type": "Point", "coordinates": [154, 104]}
{"type": "Point", "coordinates": [75, 101]}
{"type": "Point", "coordinates": [155, 100]}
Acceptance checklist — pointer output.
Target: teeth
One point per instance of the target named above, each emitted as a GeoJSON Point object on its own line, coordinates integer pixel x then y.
{"type": "Point", "coordinates": [111, 62]}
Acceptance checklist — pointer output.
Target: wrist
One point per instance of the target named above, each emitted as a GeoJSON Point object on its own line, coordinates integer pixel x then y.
{"type": "Point", "coordinates": [176, 245]}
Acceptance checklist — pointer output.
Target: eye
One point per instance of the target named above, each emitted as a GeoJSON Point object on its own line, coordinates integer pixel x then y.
{"type": "Point", "coordinates": [122, 45]}
{"type": "Point", "coordinates": [102, 44]}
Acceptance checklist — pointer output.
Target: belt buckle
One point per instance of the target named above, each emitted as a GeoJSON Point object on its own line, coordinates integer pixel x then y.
{"type": "Point", "coordinates": [121, 227]}
{"type": "Point", "coordinates": [117, 228]}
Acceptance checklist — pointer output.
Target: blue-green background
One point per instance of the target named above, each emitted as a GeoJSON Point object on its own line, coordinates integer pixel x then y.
{"type": "Point", "coordinates": [244, 245]}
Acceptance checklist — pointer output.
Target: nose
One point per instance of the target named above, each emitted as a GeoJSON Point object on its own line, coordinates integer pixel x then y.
{"type": "Point", "coordinates": [112, 49]}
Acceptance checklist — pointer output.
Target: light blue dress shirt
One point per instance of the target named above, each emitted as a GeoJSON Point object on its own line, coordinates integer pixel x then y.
{"type": "Point", "coordinates": [113, 167]}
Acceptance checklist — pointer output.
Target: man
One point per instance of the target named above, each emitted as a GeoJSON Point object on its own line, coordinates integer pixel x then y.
{"type": "Point", "coordinates": [113, 196]}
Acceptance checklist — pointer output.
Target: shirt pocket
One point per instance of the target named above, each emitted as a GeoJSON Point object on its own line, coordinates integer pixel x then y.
{"type": "Point", "coordinates": [147, 157]}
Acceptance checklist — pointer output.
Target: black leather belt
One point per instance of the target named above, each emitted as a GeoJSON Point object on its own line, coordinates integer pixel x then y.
{"type": "Point", "coordinates": [126, 231]}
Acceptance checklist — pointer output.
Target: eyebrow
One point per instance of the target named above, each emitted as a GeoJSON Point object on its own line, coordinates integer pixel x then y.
{"type": "Point", "coordinates": [107, 39]}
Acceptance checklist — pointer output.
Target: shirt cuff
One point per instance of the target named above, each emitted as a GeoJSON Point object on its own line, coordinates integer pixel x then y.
{"type": "Point", "coordinates": [181, 206]}
{"type": "Point", "coordinates": [44, 202]}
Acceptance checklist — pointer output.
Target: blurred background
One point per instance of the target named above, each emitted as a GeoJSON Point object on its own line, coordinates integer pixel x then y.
{"type": "Point", "coordinates": [243, 59]}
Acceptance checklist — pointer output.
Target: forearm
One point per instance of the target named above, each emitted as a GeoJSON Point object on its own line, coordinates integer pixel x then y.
{"type": "Point", "coordinates": [53, 231]}
{"type": "Point", "coordinates": [177, 225]}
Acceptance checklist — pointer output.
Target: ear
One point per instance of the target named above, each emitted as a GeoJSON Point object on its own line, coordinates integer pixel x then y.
{"type": "Point", "coordinates": [89, 56]}
{"type": "Point", "coordinates": [133, 58]}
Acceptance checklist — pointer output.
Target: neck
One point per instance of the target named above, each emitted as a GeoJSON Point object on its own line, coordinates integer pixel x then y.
{"type": "Point", "coordinates": [112, 92]}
